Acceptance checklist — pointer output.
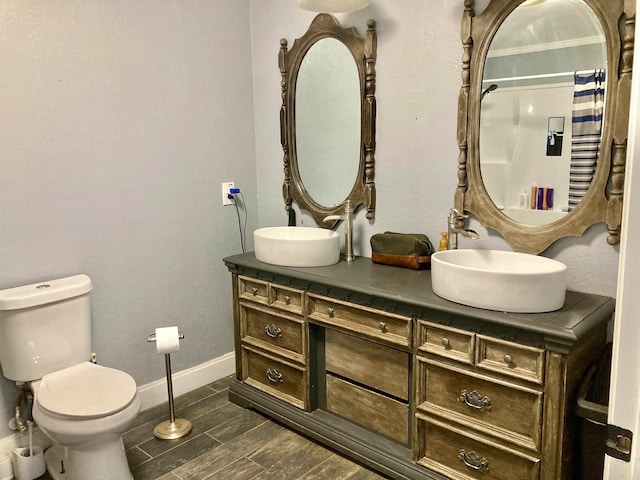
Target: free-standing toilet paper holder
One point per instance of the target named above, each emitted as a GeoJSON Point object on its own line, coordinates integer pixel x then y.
{"type": "Point", "coordinates": [174, 427]}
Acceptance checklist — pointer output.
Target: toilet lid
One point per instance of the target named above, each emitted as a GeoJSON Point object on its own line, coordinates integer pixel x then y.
{"type": "Point", "coordinates": [86, 391]}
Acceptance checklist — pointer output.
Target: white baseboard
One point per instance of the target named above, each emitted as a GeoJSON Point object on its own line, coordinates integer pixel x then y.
{"type": "Point", "coordinates": [151, 394]}
{"type": "Point", "coordinates": [155, 393]}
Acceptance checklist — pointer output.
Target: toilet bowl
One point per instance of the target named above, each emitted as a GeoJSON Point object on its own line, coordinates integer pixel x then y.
{"type": "Point", "coordinates": [84, 409]}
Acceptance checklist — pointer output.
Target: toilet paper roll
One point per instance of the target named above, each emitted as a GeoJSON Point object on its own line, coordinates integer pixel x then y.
{"type": "Point", "coordinates": [6, 468]}
{"type": "Point", "coordinates": [167, 340]}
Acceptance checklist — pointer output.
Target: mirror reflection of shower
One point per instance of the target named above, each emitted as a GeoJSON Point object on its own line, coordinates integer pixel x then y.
{"type": "Point", "coordinates": [488, 90]}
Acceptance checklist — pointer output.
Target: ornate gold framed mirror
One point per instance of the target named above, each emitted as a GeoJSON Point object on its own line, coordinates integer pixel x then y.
{"type": "Point", "coordinates": [327, 119]}
{"type": "Point", "coordinates": [543, 114]}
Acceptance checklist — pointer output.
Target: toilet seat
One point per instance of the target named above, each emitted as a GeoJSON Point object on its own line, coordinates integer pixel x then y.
{"type": "Point", "coordinates": [85, 391]}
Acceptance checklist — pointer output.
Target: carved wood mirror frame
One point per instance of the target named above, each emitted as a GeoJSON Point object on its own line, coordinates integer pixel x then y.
{"type": "Point", "coordinates": [603, 201]}
{"type": "Point", "coordinates": [364, 54]}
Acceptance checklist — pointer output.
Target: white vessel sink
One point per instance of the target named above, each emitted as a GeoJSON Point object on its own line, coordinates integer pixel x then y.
{"type": "Point", "coordinates": [499, 280]}
{"type": "Point", "coordinates": [297, 246]}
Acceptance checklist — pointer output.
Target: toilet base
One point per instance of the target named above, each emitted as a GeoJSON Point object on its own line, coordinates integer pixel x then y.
{"type": "Point", "coordinates": [105, 463]}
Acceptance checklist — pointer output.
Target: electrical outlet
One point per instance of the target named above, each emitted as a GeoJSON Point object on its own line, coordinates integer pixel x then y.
{"type": "Point", "coordinates": [226, 190]}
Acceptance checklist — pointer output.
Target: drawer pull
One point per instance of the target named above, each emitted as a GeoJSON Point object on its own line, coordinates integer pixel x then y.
{"type": "Point", "coordinates": [254, 290]}
{"type": "Point", "coordinates": [383, 326]}
{"type": "Point", "coordinates": [445, 342]}
{"type": "Point", "coordinates": [272, 330]}
{"type": "Point", "coordinates": [474, 400]}
{"type": "Point", "coordinates": [330, 311]}
{"type": "Point", "coordinates": [274, 376]}
{"type": "Point", "coordinates": [508, 359]}
{"type": "Point", "coordinates": [287, 299]}
{"type": "Point", "coordinates": [473, 461]}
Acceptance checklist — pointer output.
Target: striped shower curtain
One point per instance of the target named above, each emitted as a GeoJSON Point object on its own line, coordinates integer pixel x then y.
{"type": "Point", "coordinates": [588, 105]}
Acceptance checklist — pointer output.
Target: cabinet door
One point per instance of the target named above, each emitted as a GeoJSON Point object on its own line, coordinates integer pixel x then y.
{"type": "Point", "coordinates": [503, 410]}
{"type": "Point", "coordinates": [266, 328]}
{"type": "Point", "coordinates": [460, 456]}
{"type": "Point", "coordinates": [370, 409]}
{"type": "Point", "coordinates": [382, 326]}
{"type": "Point", "coordinates": [446, 342]}
{"type": "Point", "coordinates": [511, 359]}
{"type": "Point", "coordinates": [254, 290]}
{"type": "Point", "coordinates": [377, 366]}
{"type": "Point", "coordinates": [288, 299]}
{"type": "Point", "coordinates": [275, 376]}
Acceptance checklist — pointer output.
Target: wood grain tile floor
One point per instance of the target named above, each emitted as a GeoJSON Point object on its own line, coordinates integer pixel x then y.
{"type": "Point", "coordinates": [230, 442]}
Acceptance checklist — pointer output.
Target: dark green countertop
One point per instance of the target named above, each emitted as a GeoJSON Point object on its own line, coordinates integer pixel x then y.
{"type": "Point", "coordinates": [365, 282]}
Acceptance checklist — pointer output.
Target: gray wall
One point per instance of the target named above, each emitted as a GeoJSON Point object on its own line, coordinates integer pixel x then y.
{"type": "Point", "coordinates": [119, 121]}
{"type": "Point", "coordinates": [121, 118]}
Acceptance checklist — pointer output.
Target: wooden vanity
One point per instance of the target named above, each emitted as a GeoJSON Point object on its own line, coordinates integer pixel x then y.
{"type": "Point", "coordinates": [366, 359]}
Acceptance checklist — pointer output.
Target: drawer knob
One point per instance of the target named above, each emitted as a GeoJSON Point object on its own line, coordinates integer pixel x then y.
{"type": "Point", "coordinates": [272, 330]}
{"type": "Point", "coordinates": [330, 311]}
{"type": "Point", "coordinates": [254, 290]}
{"type": "Point", "coordinates": [382, 326]}
{"type": "Point", "coordinates": [508, 359]}
{"type": "Point", "coordinates": [472, 460]}
{"type": "Point", "coordinates": [475, 400]}
{"type": "Point", "coordinates": [445, 342]}
{"type": "Point", "coordinates": [274, 376]}
{"type": "Point", "coordinates": [287, 299]}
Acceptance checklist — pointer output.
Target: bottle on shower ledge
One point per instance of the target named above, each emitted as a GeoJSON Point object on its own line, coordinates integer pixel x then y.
{"type": "Point", "coordinates": [540, 203]}
{"type": "Point", "coordinates": [524, 200]}
{"type": "Point", "coordinates": [550, 198]}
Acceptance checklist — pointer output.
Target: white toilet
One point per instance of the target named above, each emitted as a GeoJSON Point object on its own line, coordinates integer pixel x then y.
{"type": "Point", "coordinates": [45, 339]}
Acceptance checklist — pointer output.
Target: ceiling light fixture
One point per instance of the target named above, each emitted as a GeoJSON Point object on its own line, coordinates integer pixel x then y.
{"type": "Point", "coordinates": [333, 6]}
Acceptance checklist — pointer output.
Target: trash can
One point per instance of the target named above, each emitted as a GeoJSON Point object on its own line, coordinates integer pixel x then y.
{"type": "Point", "coordinates": [592, 409]}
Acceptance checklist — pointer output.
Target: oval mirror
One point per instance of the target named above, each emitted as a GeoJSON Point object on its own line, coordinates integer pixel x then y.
{"type": "Point", "coordinates": [327, 107]}
{"type": "Point", "coordinates": [327, 119]}
{"type": "Point", "coordinates": [541, 109]}
{"type": "Point", "coordinates": [539, 160]}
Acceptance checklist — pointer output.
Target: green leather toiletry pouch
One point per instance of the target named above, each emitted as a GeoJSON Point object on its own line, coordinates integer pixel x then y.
{"type": "Point", "coordinates": [407, 250]}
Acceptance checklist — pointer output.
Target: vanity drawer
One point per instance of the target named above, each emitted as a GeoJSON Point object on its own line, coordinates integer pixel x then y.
{"type": "Point", "coordinates": [503, 410]}
{"type": "Point", "coordinates": [460, 455]}
{"type": "Point", "coordinates": [367, 408]}
{"type": "Point", "coordinates": [272, 330]}
{"type": "Point", "coordinates": [446, 342]}
{"type": "Point", "coordinates": [387, 327]}
{"type": "Point", "coordinates": [288, 299]}
{"type": "Point", "coordinates": [275, 376]}
{"type": "Point", "coordinates": [518, 361]}
{"type": "Point", "coordinates": [380, 367]}
{"type": "Point", "coordinates": [254, 290]}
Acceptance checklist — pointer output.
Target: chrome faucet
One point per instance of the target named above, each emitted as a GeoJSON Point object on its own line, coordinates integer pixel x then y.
{"type": "Point", "coordinates": [455, 225]}
{"type": "Point", "coordinates": [347, 217]}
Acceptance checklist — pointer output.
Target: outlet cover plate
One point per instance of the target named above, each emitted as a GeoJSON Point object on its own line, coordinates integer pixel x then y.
{"type": "Point", "coordinates": [226, 190]}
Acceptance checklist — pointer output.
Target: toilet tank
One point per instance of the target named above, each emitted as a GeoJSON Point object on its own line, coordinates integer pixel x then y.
{"type": "Point", "coordinates": [44, 327]}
